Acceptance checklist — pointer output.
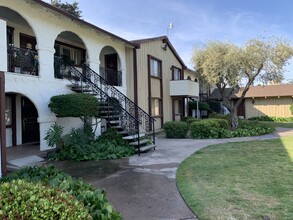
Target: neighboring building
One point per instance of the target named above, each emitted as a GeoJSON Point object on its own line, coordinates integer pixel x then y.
{"type": "Point", "coordinates": [33, 34]}
{"type": "Point", "coordinates": [161, 87]}
{"type": "Point", "coordinates": [269, 100]}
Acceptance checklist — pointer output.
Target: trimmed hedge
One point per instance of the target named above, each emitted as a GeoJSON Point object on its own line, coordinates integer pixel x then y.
{"type": "Point", "coordinates": [272, 118]}
{"type": "Point", "coordinates": [25, 200]}
{"type": "Point", "coordinates": [207, 127]}
{"type": "Point", "coordinates": [176, 129]}
{"type": "Point", "coordinates": [74, 105]}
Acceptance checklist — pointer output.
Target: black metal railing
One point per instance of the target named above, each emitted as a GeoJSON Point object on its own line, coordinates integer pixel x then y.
{"type": "Point", "coordinates": [23, 61]}
{"type": "Point", "coordinates": [67, 71]}
{"type": "Point", "coordinates": [145, 120]}
{"type": "Point", "coordinates": [112, 77]}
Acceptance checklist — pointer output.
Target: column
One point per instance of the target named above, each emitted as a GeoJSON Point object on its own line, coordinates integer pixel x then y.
{"type": "Point", "coordinates": [46, 62]}
{"type": "Point", "coordinates": [3, 46]}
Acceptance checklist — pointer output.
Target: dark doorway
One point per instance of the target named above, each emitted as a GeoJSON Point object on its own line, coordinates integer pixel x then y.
{"type": "Point", "coordinates": [111, 65]}
{"type": "Point", "coordinates": [30, 125]}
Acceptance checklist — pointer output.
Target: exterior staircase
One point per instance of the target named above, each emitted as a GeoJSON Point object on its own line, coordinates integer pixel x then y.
{"type": "Point", "coordinates": [116, 109]}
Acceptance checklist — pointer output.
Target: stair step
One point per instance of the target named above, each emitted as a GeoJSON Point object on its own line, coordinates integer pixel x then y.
{"type": "Point", "coordinates": [131, 137]}
{"type": "Point", "coordinates": [147, 148]}
{"type": "Point", "coordinates": [135, 143]}
{"type": "Point", "coordinates": [114, 122]}
{"type": "Point", "coordinates": [106, 112]}
{"type": "Point", "coordinates": [123, 132]}
{"type": "Point", "coordinates": [117, 127]}
{"type": "Point", "coordinates": [109, 116]}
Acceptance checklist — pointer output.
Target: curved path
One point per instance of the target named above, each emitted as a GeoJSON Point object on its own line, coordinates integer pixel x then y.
{"type": "Point", "coordinates": [144, 187]}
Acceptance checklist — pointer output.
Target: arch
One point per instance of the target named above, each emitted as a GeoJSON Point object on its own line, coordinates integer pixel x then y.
{"type": "Point", "coordinates": [110, 66]}
{"type": "Point", "coordinates": [21, 119]}
{"type": "Point", "coordinates": [71, 46]}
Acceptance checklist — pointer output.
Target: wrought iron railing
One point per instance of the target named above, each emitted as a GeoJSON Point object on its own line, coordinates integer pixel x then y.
{"type": "Point", "coordinates": [83, 81]}
{"type": "Point", "coordinates": [146, 121]}
{"type": "Point", "coordinates": [24, 61]}
{"type": "Point", "coordinates": [112, 77]}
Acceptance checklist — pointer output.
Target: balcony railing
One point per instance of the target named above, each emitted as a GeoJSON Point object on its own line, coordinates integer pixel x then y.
{"type": "Point", "coordinates": [112, 77]}
{"type": "Point", "coordinates": [23, 61]}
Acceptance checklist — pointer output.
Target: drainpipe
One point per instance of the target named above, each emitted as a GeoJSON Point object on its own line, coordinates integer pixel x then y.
{"type": "Point", "coordinates": [2, 125]}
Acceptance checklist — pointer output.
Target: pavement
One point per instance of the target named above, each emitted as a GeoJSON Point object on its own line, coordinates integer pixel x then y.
{"type": "Point", "coordinates": [144, 187]}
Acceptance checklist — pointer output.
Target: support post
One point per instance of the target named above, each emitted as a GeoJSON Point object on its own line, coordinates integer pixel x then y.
{"type": "Point", "coordinates": [2, 125]}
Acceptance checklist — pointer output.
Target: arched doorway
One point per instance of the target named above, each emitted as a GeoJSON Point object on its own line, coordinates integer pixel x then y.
{"type": "Point", "coordinates": [21, 44]}
{"type": "Point", "coordinates": [70, 47]}
{"type": "Point", "coordinates": [22, 125]}
{"type": "Point", "coordinates": [110, 66]}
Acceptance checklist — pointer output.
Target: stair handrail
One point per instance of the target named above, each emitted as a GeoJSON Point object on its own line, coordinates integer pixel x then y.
{"type": "Point", "coordinates": [132, 108]}
{"type": "Point", "coordinates": [76, 76]}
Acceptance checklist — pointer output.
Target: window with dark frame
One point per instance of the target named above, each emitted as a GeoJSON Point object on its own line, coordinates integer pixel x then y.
{"type": "Point", "coordinates": [155, 67]}
{"type": "Point", "coordinates": [176, 73]}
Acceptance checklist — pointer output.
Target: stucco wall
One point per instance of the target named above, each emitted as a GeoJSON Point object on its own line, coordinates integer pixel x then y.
{"type": "Point", "coordinates": [271, 106]}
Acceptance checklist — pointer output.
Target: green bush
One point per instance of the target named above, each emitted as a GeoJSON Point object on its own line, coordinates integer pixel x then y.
{"type": "Point", "coordinates": [207, 128]}
{"type": "Point", "coordinates": [186, 118]}
{"type": "Point", "coordinates": [201, 105]}
{"type": "Point", "coordinates": [191, 120]}
{"type": "Point", "coordinates": [94, 200]}
{"type": "Point", "coordinates": [79, 147]}
{"type": "Point", "coordinates": [25, 200]}
{"type": "Point", "coordinates": [215, 128]}
{"type": "Point", "coordinates": [272, 118]}
{"type": "Point", "coordinates": [176, 129]}
{"type": "Point", "coordinates": [74, 105]}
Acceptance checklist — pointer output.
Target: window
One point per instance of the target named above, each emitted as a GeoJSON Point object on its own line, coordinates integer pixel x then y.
{"type": "Point", "coordinates": [156, 107]}
{"type": "Point", "coordinates": [73, 55]}
{"type": "Point", "coordinates": [176, 74]}
{"type": "Point", "coordinates": [155, 67]}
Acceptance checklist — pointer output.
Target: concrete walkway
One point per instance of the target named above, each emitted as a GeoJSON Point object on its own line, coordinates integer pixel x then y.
{"type": "Point", "coordinates": [144, 187]}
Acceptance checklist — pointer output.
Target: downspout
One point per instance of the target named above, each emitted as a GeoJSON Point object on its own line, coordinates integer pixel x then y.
{"type": "Point", "coordinates": [2, 125]}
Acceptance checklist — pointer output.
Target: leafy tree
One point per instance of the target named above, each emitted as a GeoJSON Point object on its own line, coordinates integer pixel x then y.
{"type": "Point", "coordinates": [227, 65]}
{"type": "Point", "coordinates": [72, 9]}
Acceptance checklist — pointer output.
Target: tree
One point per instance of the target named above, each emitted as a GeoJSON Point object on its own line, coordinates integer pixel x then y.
{"type": "Point", "coordinates": [227, 65]}
{"type": "Point", "coordinates": [72, 9]}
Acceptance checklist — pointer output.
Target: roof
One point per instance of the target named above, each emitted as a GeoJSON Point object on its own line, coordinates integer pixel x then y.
{"type": "Point", "coordinates": [73, 18]}
{"type": "Point", "coordinates": [282, 90]}
{"type": "Point", "coordinates": [164, 39]}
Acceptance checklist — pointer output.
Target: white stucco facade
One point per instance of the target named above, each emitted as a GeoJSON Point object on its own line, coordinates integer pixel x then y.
{"type": "Point", "coordinates": [45, 26]}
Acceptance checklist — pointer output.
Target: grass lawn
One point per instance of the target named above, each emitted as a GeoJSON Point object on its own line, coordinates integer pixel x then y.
{"type": "Point", "coordinates": [247, 180]}
{"type": "Point", "coordinates": [279, 124]}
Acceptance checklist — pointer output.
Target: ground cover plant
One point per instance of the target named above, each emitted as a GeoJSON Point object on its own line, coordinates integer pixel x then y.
{"type": "Point", "coordinates": [50, 179]}
{"type": "Point", "coordinates": [79, 146]}
{"type": "Point", "coordinates": [246, 180]}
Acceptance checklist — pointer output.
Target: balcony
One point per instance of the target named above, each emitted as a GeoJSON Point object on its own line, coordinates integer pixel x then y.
{"type": "Point", "coordinates": [112, 77]}
{"type": "Point", "coordinates": [23, 61]}
{"type": "Point", "coordinates": [184, 88]}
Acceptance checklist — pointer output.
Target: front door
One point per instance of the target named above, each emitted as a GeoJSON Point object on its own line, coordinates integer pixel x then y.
{"type": "Point", "coordinates": [30, 125]}
{"type": "Point", "coordinates": [111, 66]}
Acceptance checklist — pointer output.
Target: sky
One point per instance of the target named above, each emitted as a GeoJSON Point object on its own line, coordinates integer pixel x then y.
{"type": "Point", "coordinates": [195, 21]}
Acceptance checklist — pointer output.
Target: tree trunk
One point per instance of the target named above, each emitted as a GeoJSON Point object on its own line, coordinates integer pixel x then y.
{"type": "Point", "coordinates": [234, 119]}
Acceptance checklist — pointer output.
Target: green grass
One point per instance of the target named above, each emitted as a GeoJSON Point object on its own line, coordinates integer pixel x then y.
{"type": "Point", "coordinates": [279, 124]}
{"type": "Point", "coordinates": [247, 180]}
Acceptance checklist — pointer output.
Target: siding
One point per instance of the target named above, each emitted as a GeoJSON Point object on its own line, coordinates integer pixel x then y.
{"type": "Point", "coordinates": [279, 107]}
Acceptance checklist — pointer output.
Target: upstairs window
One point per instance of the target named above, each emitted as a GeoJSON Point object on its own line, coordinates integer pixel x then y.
{"type": "Point", "coordinates": [155, 67]}
{"type": "Point", "coordinates": [176, 73]}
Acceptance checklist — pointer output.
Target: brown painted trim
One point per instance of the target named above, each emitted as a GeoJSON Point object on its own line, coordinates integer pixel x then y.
{"type": "Point", "coordinates": [13, 106]}
{"type": "Point", "coordinates": [2, 124]}
{"type": "Point", "coordinates": [71, 46]}
{"type": "Point", "coordinates": [173, 109]}
{"type": "Point", "coordinates": [149, 85]}
{"type": "Point", "coordinates": [181, 72]}
{"type": "Point", "coordinates": [135, 76]}
{"type": "Point", "coordinates": [162, 94]}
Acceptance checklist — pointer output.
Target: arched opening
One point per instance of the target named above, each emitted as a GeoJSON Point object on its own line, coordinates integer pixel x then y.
{"type": "Point", "coordinates": [110, 66]}
{"type": "Point", "coordinates": [21, 118]}
{"type": "Point", "coordinates": [71, 48]}
{"type": "Point", "coordinates": [21, 43]}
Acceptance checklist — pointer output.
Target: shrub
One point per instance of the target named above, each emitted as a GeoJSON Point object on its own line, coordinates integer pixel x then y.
{"type": "Point", "coordinates": [186, 118]}
{"type": "Point", "coordinates": [272, 118]}
{"type": "Point", "coordinates": [94, 200]}
{"type": "Point", "coordinates": [201, 105]}
{"type": "Point", "coordinates": [191, 120]}
{"type": "Point", "coordinates": [176, 129]}
{"type": "Point", "coordinates": [25, 200]}
{"type": "Point", "coordinates": [78, 146]}
{"type": "Point", "coordinates": [74, 105]}
{"type": "Point", "coordinates": [207, 128]}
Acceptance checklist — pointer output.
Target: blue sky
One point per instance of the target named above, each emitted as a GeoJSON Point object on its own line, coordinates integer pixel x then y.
{"type": "Point", "coordinates": [195, 21]}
